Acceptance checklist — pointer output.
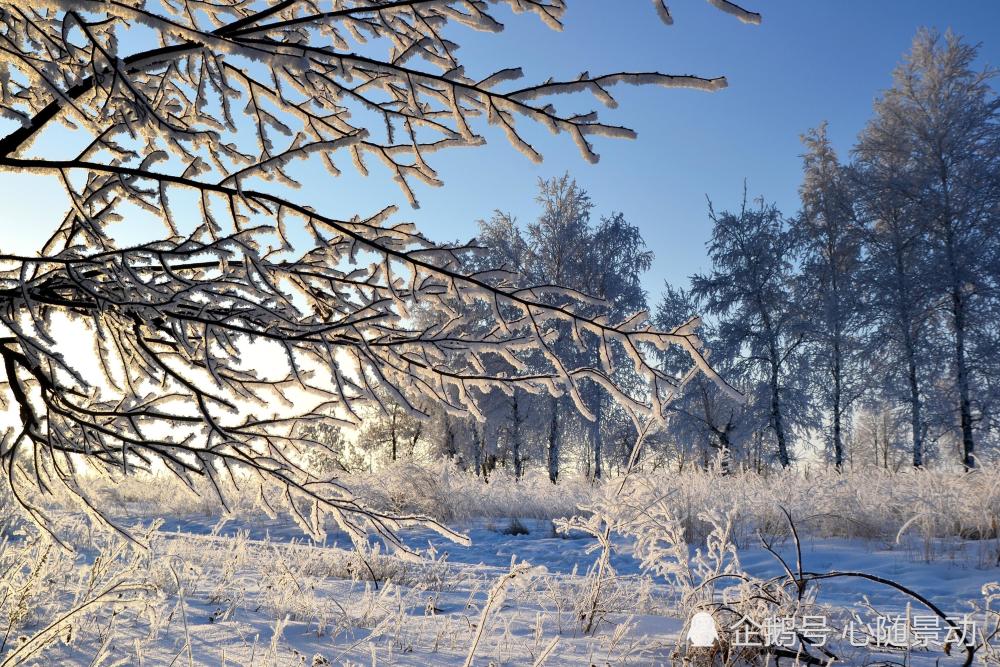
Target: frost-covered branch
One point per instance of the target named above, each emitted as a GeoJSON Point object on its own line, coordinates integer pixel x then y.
{"type": "Point", "coordinates": [250, 309]}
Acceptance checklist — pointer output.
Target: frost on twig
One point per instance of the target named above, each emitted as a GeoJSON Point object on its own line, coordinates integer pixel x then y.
{"type": "Point", "coordinates": [251, 311]}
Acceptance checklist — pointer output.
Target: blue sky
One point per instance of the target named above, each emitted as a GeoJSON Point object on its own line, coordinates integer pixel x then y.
{"type": "Point", "coordinates": [807, 62]}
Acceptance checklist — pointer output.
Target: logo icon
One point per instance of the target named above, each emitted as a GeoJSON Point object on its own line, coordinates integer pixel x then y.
{"type": "Point", "coordinates": [703, 631]}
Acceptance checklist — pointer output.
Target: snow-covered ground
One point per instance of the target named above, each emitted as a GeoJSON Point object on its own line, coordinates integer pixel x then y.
{"type": "Point", "coordinates": [253, 590]}
{"type": "Point", "coordinates": [259, 594]}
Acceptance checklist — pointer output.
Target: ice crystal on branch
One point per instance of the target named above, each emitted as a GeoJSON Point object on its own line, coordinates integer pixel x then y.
{"type": "Point", "coordinates": [197, 130]}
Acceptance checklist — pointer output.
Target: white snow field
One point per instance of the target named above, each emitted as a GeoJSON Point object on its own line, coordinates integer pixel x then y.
{"type": "Point", "coordinates": [248, 589]}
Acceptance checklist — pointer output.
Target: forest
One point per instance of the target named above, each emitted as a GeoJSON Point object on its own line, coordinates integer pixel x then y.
{"type": "Point", "coordinates": [861, 330]}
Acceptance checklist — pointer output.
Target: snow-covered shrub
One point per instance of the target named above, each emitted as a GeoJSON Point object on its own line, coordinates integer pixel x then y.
{"type": "Point", "coordinates": [912, 508]}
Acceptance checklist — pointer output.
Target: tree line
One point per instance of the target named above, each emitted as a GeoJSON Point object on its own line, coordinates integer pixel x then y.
{"type": "Point", "coordinates": [862, 329]}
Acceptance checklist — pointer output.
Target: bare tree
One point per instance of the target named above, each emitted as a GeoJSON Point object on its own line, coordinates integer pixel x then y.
{"type": "Point", "coordinates": [190, 114]}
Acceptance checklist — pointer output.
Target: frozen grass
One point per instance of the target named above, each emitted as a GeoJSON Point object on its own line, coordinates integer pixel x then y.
{"type": "Point", "coordinates": [208, 587]}
{"type": "Point", "coordinates": [869, 504]}
{"type": "Point", "coordinates": [915, 508]}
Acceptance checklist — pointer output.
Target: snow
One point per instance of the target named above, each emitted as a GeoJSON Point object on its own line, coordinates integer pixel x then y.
{"type": "Point", "coordinates": [255, 591]}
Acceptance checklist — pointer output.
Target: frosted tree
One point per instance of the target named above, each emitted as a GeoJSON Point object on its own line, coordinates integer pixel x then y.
{"type": "Point", "coordinates": [895, 279]}
{"type": "Point", "coordinates": [603, 262]}
{"type": "Point", "coordinates": [752, 255]}
{"type": "Point", "coordinates": [946, 117]}
{"type": "Point", "coordinates": [189, 118]}
{"type": "Point", "coordinates": [518, 414]}
{"type": "Point", "coordinates": [829, 240]}
{"type": "Point", "coordinates": [392, 435]}
{"type": "Point", "coordinates": [505, 249]}
{"type": "Point", "coordinates": [332, 452]}
{"type": "Point", "coordinates": [702, 421]}
{"type": "Point", "coordinates": [560, 239]}
{"type": "Point", "coordinates": [553, 250]}
{"type": "Point", "coordinates": [619, 258]}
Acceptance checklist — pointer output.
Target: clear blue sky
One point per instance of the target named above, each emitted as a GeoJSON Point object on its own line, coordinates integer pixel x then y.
{"type": "Point", "coordinates": [809, 61]}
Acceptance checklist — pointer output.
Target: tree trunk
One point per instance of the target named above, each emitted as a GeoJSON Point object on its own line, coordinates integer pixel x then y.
{"type": "Point", "coordinates": [553, 448]}
{"type": "Point", "coordinates": [909, 349]}
{"type": "Point", "coordinates": [915, 419]}
{"type": "Point", "coordinates": [489, 465]}
{"type": "Point", "coordinates": [777, 423]}
{"type": "Point", "coordinates": [885, 439]}
{"type": "Point", "coordinates": [875, 445]}
{"type": "Point", "coordinates": [962, 379]}
{"type": "Point", "coordinates": [958, 313]}
{"type": "Point", "coordinates": [392, 433]}
{"type": "Point", "coordinates": [726, 447]}
{"type": "Point", "coordinates": [838, 445]}
{"type": "Point", "coordinates": [415, 439]}
{"type": "Point", "coordinates": [449, 438]}
{"type": "Point", "coordinates": [515, 437]}
{"type": "Point", "coordinates": [477, 450]}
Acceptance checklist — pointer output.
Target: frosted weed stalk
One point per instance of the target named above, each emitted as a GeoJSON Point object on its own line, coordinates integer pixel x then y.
{"type": "Point", "coordinates": [654, 513]}
{"type": "Point", "coordinates": [49, 597]}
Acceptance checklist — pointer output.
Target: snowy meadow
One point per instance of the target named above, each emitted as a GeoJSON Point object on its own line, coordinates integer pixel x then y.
{"type": "Point", "coordinates": [247, 587]}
